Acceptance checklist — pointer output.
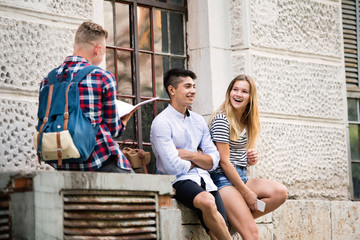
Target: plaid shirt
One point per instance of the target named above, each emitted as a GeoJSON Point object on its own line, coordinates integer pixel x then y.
{"type": "Point", "coordinates": [97, 94]}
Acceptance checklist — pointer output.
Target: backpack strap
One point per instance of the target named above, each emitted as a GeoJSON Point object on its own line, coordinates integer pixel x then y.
{"type": "Point", "coordinates": [59, 149]}
{"type": "Point", "coordinates": [52, 76]}
{"type": "Point", "coordinates": [79, 77]}
{"type": "Point", "coordinates": [66, 111]}
{"type": "Point", "coordinates": [45, 118]}
{"type": "Point", "coordinates": [83, 72]}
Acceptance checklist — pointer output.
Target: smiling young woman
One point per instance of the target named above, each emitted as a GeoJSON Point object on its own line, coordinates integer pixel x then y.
{"type": "Point", "coordinates": [234, 128]}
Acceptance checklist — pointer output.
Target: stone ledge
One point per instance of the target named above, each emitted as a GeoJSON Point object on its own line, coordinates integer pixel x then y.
{"type": "Point", "coordinates": [192, 228]}
{"type": "Point", "coordinates": [296, 219]}
{"type": "Point", "coordinates": [54, 181]}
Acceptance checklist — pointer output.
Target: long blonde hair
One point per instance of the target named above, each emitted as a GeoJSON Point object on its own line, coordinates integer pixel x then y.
{"type": "Point", "coordinates": [250, 116]}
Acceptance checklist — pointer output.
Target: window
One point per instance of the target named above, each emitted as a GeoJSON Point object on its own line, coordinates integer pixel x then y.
{"type": "Point", "coordinates": [146, 38]}
{"type": "Point", "coordinates": [354, 134]}
{"type": "Point", "coordinates": [350, 13]}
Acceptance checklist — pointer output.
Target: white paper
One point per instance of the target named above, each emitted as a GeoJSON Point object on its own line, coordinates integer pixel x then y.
{"type": "Point", "coordinates": [124, 108]}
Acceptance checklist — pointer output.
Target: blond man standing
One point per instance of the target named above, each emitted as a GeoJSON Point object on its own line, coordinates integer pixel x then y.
{"type": "Point", "coordinates": [97, 93]}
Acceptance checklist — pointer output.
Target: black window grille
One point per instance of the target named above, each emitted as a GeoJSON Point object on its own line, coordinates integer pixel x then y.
{"type": "Point", "coordinates": [146, 38]}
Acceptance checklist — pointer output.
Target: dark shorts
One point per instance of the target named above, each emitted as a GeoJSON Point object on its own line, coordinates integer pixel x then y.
{"type": "Point", "coordinates": [187, 190]}
{"type": "Point", "coordinates": [110, 165]}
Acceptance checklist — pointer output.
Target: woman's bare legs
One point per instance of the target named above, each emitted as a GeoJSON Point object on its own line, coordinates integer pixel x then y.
{"type": "Point", "coordinates": [238, 213]}
{"type": "Point", "coordinates": [272, 193]}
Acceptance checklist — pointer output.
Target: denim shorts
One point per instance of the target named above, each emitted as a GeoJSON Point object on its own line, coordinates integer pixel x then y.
{"type": "Point", "coordinates": [221, 180]}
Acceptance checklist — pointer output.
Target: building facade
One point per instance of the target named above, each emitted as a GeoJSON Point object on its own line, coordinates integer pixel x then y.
{"type": "Point", "coordinates": [293, 49]}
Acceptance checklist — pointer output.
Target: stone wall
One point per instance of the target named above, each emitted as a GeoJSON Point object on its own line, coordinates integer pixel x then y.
{"type": "Point", "coordinates": [36, 37]}
{"type": "Point", "coordinates": [294, 51]}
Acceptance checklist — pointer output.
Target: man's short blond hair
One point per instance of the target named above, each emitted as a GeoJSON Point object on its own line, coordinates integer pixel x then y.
{"type": "Point", "coordinates": [90, 33]}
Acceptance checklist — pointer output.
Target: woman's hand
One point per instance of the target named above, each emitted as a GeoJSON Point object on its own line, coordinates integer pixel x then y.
{"type": "Point", "coordinates": [251, 199]}
{"type": "Point", "coordinates": [252, 156]}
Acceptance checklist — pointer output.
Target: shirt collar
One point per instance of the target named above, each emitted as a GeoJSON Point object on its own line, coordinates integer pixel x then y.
{"type": "Point", "coordinates": [76, 59]}
{"type": "Point", "coordinates": [177, 113]}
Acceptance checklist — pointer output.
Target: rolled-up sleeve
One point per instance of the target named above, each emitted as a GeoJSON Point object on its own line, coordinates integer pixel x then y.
{"type": "Point", "coordinates": [168, 160]}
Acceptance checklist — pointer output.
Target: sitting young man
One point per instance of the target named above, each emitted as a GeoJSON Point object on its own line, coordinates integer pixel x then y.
{"type": "Point", "coordinates": [182, 146]}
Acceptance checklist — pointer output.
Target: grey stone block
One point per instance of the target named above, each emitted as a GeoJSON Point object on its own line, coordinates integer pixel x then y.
{"type": "Point", "coordinates": [170, 224]}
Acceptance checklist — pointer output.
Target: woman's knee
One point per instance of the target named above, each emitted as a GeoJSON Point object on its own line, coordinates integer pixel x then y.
{"type": "Point", "coordinates": [281, 192]}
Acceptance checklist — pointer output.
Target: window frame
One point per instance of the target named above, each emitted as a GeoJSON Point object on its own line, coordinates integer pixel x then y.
{"type": "Point", "coordinates": [135, 52]}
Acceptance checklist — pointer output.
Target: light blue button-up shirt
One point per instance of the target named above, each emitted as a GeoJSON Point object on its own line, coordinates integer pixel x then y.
{"type": "Point", "coordinates": [170, 131]}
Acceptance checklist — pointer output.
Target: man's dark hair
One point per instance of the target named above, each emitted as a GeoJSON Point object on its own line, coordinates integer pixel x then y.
{"type": "Point", "coordinates": [171, 77]}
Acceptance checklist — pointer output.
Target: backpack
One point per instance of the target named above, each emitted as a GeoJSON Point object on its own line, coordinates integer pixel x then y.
{"type": "Point", "coordinates": [64, 134]}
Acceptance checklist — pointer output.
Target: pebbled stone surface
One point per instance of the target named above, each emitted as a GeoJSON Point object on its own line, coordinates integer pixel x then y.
{"type": "Point", "coordinates": [297, 88]}
{"type": "Point", "coordinates": [66, 8]}
{"type": "Point", "coordinates": [30, 51]}
{"type": "Point", "coordinates": [17, 126]}
{"type": "Point", "coordinates": [307, 159]}
{"type": "Point", "coordinates": [297, 26]}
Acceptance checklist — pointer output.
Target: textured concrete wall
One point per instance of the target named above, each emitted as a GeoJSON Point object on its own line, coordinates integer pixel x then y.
{"type": "Point", "coordinates": [293, 49]}
{"type": "Point", "coordinates": [297, 26]}
{"type": "Point", "coordinates": [66, 9]}
{"type": "Point", "coordinates": [309, 159]}
{"type": "Point", "coordinates": [36, 36]}
{"type": "Point", "coordinates": [298, 88]}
